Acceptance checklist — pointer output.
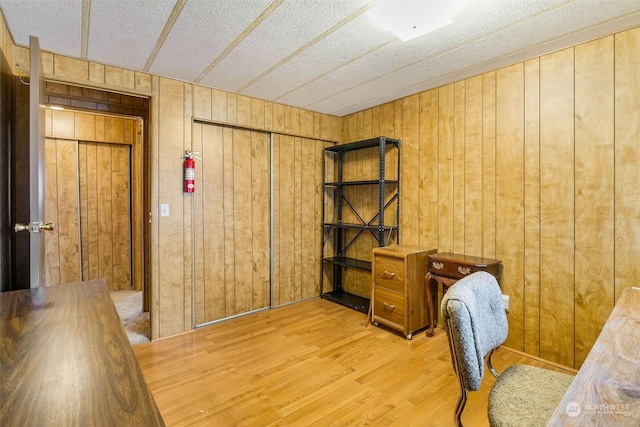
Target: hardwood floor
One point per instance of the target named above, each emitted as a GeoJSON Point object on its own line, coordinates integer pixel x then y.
{"type": "Point", "coordinates": [310, 363]}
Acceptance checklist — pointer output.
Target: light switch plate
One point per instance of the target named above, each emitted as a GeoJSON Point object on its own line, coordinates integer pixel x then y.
{"type": "Point", "coordinates": [505, 301]}
{"type": "Point", "coordinates": [164, 209]}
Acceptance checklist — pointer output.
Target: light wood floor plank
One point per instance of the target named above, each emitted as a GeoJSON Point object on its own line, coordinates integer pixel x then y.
{"type": "Point", "coordinates": [309, 363]}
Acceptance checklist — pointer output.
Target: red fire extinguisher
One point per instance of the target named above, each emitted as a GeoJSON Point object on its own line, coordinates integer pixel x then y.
{"type": "Point", "coordinates": [190, 171]}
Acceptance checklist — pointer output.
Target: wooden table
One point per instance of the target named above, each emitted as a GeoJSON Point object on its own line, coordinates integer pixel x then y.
{"type": "Point", "coordinates": [447, 268]}
{"type": "Point", "coordinates": [65, 360]}
{"type": "Point", "coordinates": [606, 390]}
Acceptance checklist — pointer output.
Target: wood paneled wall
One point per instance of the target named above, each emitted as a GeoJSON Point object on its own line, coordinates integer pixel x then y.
{"type": "Point", "coordinates": [534, 164]}
{"type": "Point", "coordinates": [174, 107]}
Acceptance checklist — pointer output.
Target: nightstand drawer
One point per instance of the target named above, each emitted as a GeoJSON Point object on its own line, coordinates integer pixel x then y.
{"type": "Point", "coordinates": [389, 305]}
{"type": "Point", "coordinates": [389, 272]}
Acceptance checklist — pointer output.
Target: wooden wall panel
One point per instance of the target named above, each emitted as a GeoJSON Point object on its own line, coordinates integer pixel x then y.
{"type": "Point", "coordinates": [458, 160]}
{"type": "Point", "coordinates": [410, 161]}
{"type": "Point", "coordinates": [557, 217]}
{"type": "Point", "coordinates": [445, 168]}
{"type": "Point", "coordinates": [473, 167]}
{"type": "Point", "coordinates": [169, 288]}
{"type": "Point", "coordinates": [428, 166]}
{"type": "Point", "coordinates": [627, 160]}
{"type": "Point", "coordinates": [489, 165]}
{"type": "Point", "coordinates": [595, 190]}
{"type": "Point", "coordinates": [532, 207]}
{"type": "Point", "coordinates": [510, 192]}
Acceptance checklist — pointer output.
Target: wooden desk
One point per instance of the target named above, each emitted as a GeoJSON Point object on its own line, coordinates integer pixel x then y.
{"type": "Point", "coordinates": [606, 390]}
{"type": "Point", "coordinates": [65, 360]}
{"type": "Point", "coordinates": [447, 268]}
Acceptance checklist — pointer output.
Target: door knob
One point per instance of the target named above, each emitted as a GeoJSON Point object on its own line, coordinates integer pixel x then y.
{"type": "Point", "coordinates": [35, 227]}
{"type": "Point", "coordinates": [21, 227]}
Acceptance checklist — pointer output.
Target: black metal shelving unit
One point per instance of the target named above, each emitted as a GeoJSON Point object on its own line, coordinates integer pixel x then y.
{"type": "Point", "coordinates": [344, 235]}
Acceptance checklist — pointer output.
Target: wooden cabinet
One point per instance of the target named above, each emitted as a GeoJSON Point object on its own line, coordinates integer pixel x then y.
{"type": "Point", "coordinates": [398, 298]}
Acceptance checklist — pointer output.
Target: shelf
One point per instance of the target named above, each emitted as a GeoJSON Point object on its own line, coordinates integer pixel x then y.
{"type": "Point", "coordinates": [374, 195]}
{"type": "Point", "coordinates": [367, 143]}
{"type": "Point", "coordinates": [358, 226]}
{"type": "Point", "coordinates": [350, 300]}
{"type": "Point", "coordinates": [350, 263]}
{"type": "Point", "coordinates": [363, 182]}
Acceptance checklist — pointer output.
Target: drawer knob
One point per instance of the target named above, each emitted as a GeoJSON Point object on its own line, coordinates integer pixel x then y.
{"type": "Point", "coordinates": [389, 306]}
{"type": "Point", "coordinates": [464, 270]}
{"type": "Point", "coordinates": [438, 265]}
{"type": "Point", "coordinates": [388, 275]}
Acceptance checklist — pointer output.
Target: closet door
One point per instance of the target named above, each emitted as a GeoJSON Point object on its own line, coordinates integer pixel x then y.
{"type": "Point", "coordinates": [105, 213]}
{"type": "Point", "coordinates": [88, 197]}
{"type": "Point", "coordinates": [297, 218]}
{"type": "Point", "coordinates": [231, 222]}
{"type": "Point", "coordinates": [62, 245]}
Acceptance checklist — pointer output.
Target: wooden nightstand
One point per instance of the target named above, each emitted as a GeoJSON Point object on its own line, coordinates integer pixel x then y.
{"type": "Point", "coordinates": [396, 297]}
{"type": "Point", "coordinates": [446, 269]}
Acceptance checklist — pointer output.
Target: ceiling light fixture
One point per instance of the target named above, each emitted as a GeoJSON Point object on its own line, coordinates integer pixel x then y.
{"type": "Point", "coordinates": [408, 19]}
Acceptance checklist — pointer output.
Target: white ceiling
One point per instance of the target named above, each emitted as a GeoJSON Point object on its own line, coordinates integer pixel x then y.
{"type": "Point", "coordinates": [321, 55]}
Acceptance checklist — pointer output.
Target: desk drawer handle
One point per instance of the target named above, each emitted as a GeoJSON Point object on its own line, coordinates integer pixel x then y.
{"type": "Point", "coordinates": [464, 270]}
{"type": "Point", "coordinates": [389, 306]}
{"type": "Point", "coordinates": [388, 275]}
{"type": "Point", "coordinates": [438, 265]}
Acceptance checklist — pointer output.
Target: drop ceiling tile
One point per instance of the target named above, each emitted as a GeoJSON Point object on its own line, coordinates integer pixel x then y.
{"type": "Point", "coordinates": [355, 39]}
{"type": "Point", "coordinates": [57, 24]}
{"type": "Point", "coordinates": [124, 32]}
{"type": "Point", "coordinates": [290, 27]}
{"type": "Point", "coordinates": [201, 33]}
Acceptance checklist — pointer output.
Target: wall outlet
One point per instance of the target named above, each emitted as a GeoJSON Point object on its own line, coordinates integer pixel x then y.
{"type": "Point", "coordinates": [164, 209]}
{"type": "Point", "coordinates": [505, 302]}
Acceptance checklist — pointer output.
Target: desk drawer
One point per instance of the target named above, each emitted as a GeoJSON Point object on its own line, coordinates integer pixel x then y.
{"type": "Point", "coordinates": [389, 272]}
{"type": "Point", "coordinates": [458, 266]}
{"type": "Point", "coordinates": [389, 305]}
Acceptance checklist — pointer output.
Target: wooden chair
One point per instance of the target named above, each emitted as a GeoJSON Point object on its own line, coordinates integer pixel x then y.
{"type": "Point", "coordinates": [476, 324]}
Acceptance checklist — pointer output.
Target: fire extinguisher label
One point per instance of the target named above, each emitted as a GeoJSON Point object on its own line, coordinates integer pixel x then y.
{"type": "Point", "coordinates": [189, 174]}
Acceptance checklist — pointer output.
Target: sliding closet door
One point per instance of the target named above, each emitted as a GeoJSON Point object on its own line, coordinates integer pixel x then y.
{"type": "Point", "coordinates": [297, 218]}
{"type": "Point", "coordinates": [231, 220]}
{"type": "Point", "coordinates": [105, 213]}
{"type": "Point", "coordinates": [62, 245]}
{"type": "Point", "coordinates": [88, 198]}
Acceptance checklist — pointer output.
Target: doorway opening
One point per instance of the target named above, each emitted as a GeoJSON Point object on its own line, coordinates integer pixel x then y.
{"type": "Point", "coordinates": [111, 118]}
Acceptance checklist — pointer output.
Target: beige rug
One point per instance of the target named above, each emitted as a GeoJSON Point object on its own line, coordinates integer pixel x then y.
{"type": "Point", "coordinates": [136, 323]}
